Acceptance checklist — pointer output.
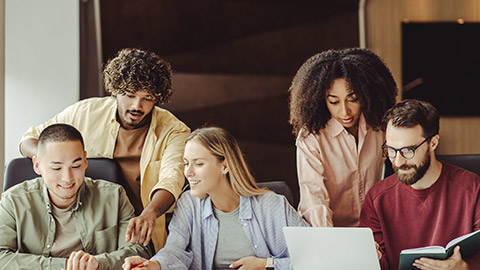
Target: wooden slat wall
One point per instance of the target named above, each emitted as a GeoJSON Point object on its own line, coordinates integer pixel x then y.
{"type": "Point", "coordinates": [459, 135]}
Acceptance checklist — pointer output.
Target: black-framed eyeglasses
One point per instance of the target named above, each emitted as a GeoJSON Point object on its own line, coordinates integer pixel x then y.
{"type": "Point", "coordinates": [406, 152]}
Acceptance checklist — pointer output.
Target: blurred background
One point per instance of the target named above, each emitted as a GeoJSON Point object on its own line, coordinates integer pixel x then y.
{"type": "Point", "coordinates": [233, 61]}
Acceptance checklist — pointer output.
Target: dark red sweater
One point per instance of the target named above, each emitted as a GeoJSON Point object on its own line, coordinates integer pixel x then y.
{"type": "Point", "coordinates": [402, 217]}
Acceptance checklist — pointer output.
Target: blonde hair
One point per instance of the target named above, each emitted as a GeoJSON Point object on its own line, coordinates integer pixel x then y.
{"type": "Point", "coordinates": [225, 148]}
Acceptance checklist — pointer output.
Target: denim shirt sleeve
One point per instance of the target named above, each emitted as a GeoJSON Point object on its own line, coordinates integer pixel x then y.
{"type": "Point", "coordinates": [264, 226]}
{"type": "Point", "coordinates": [292, 219]}
{"type": "Point", "coordinates": [8, 243]}
{"type": "Point", "coordinates": [176, 253]}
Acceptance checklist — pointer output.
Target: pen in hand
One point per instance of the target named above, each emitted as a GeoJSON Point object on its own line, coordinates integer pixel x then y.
{"type": "Point", "coordinates": [145, 263]}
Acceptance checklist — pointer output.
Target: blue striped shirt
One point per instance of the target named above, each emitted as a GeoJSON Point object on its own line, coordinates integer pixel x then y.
{"type": "Point", "coordinates": [194, 231]}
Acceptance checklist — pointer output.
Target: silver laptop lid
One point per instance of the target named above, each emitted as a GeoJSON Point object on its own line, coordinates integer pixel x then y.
{"type": "Point", "coordinates": [330, 248]}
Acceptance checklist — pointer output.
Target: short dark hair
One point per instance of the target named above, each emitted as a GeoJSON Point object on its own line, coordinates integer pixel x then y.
{"type": "Point", "coordinates": [59, 133]}
{"type": "Point", "coordinates": [411, 112]}
{"type": "Point", "coordinates": [365, 73]}
{"type": "Point", "coordinates": [133, 70]}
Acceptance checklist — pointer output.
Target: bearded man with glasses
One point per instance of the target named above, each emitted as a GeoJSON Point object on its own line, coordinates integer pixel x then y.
{"type": "Point", "coordinates": [426, 202]}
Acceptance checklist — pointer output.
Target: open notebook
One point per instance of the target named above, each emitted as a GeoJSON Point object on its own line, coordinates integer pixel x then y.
{"type": "Point", "coordinates": [331, 248]}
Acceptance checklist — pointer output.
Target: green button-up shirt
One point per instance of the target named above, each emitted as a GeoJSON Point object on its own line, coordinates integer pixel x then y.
{"type": "Point", "coordinates": [101, 214]}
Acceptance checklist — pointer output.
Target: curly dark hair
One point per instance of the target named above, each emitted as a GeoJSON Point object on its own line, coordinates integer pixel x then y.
{"type": "Point", "coordinates": [365, 73]}
{"type": "Point", "coordinates": [133, 70]}
{"type": "Point", "coordinates": [411, 112]}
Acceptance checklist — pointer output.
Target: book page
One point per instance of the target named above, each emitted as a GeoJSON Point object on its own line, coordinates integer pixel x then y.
{"type": "Point", "coordinates": [460, 238]}
{"type": "Point", "coordinates": [430, 249]}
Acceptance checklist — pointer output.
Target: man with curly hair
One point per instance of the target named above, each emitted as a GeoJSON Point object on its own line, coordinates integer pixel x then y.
{"type": "Point", "coordinates": [147, 141]}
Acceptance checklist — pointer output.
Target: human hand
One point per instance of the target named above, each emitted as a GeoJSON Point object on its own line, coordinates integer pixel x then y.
{"type": "Point", "coordinates": [379, 253]}
{"type": "Point", "coordinates": [135, 261]}
{"type": "Point", "coordinates": [142, 226]}
{"type": "Point", "coordinates": [250, 263]}
{"type": "Point", "coordinates": [80, 260]}
{"type": "Point", "coordinates": [454, 262]}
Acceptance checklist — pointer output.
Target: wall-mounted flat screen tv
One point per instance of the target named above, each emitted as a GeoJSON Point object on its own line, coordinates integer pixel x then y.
{"type": "Point", "coordinates": [441, 65]}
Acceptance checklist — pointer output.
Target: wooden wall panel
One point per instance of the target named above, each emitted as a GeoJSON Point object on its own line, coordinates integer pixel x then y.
{"type": "Point", "coordinates": [459, 135]}
{"type": "Point", "coordinates": [233, 62]}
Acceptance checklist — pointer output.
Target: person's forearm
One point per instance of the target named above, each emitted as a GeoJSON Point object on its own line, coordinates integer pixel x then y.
{"type": "Point", "coordinates": [28, 147]}
{"type": "Point", "coordinates": [10, 258]}
{"type": "Point", "coordinates": [161, 201]}
{"type": "Point", "coordinates": [115, 259]}
{"type": "Point", "coordinates": [142, 227]}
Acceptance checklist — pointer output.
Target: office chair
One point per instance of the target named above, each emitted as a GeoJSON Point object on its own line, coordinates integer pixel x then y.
{"type": "Point", "coordinates": [470, 162]}
{"type": "Point", "coordinates": [21, 169]}
{"type": "Point", "coordinates": [279, 187]}
{"type": "Point", "coordinates": [387, 168]}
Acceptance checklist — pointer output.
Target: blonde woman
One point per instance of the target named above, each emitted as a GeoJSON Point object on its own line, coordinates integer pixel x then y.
{"type": "Point", "coordinates": [225, 221]}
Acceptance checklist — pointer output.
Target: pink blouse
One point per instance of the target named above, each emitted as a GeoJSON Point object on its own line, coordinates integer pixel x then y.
{"type": "Point", "coordinates": [334, 173]}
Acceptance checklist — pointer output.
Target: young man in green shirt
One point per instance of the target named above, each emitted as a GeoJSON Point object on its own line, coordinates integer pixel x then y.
{"type": "Point", "coordinates": [63, 219]}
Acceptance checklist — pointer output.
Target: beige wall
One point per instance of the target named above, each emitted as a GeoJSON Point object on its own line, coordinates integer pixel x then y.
{"type": "Point", "coordinates": [42, 64]}
{"type": "Point", "coordinates": [459, 135]}
{"type": "Point", "coordinates": [2, 90]}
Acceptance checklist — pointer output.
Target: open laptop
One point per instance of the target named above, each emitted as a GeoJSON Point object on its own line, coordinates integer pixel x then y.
{"type": "Point", "coordinates": [312, 248]}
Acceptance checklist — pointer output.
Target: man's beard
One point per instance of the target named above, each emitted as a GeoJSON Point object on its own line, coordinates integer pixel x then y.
{"type": "Point", "coordinates": [418, 172]}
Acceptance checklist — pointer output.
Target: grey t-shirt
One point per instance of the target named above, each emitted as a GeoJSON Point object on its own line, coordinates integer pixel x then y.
{"type": "Point", "coordinates": [67, 238]}
{"type": "Point", "coordinates": [232, 242]}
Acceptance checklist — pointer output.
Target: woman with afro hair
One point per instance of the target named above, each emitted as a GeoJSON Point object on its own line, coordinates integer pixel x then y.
{"type": "Point", "coordinates": [337, 101]}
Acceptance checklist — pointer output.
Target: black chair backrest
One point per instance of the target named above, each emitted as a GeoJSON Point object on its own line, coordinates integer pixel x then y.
{"type": "Point", "coordinates": [279, 187]}
{"type": "Point", "coordinates": [470, 162]}
{"type": "Point", "coordinates": [387, 168]}
{"type": "Point", "coordinates": [21, 169]}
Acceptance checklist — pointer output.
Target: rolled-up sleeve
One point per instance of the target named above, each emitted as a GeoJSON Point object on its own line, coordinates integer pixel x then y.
{"type": "Point", "coordinates": [170, 166]}
{"type": "Point", "coordinates": [66, 116]}
{"type": "Point", "coordinates": [176, 254]}
{"type": "Point", "coordinates": [293, 219]}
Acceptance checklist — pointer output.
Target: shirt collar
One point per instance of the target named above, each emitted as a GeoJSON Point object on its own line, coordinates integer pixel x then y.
{"type": "Point", "coordinates": [78, 202]}
{"type": "Point", "coordinates": [245, 208]}
{"type": "Point", "coordinates": [112, 111]}
{"type": "Point", "coordinates": [362, 126]}
{"type": "Point", "coordinates": [334, 127]}
{"type": "Point", "coordinates": [207, 208]}
{"type": "Point", "coordinates": [153, 121]}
